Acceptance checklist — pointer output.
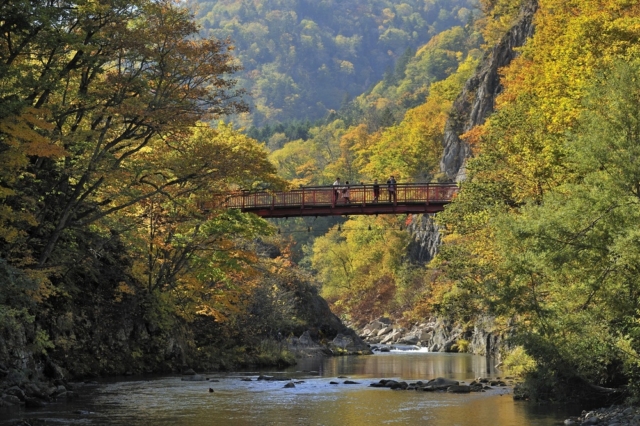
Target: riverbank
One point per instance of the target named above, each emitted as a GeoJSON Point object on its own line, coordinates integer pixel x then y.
{"type": "Point", "coordinates": [53, 383]}
{"type": "Point", "coordinates": [616, 415]}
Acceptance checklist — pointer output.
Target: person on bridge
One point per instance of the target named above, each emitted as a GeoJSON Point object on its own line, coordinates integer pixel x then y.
{"type": "Point", "coordinates": [336, 191]}
{"type": "Point", "coordinates": [376, 190]}
{"type": "Point", "coordinates": [346, 193]}
{"type": "Point", "coordinates": [392, 187]}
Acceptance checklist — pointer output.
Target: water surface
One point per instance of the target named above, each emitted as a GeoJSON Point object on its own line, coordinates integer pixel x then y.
{"type": "Point", "coordinates": [171, 401]}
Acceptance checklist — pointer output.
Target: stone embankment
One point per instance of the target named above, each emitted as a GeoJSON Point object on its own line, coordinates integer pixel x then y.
{"type": "Point", "coordinates": [437, 335]}
{"type": "Point", "coordinates": [18, 390]}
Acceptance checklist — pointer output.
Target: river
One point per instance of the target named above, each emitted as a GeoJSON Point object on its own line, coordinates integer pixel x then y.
{"type": "Point", "coordinates": [171, 401]}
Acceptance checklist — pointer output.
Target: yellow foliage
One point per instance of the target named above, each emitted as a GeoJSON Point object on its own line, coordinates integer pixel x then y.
{"type": "Point", "coordinates": [498, 17]}
{"type": "Point", "coordinates": [518, 362]}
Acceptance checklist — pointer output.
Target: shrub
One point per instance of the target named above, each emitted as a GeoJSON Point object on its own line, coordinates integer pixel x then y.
{"type": "Point", "coordinates": [518, 362]}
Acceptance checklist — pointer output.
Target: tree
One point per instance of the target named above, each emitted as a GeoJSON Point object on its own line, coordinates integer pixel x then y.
{"type": "Point", "coordinates": [115, 78]}
{"type": "Point", "coordinates": [361, 267]}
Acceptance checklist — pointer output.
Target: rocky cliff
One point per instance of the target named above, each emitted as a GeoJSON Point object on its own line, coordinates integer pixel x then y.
{"type": "Point", "coordinates": [476, 102]}
{"type": "Point", "coordinates": [438, 335]}
{"type": "Point", "coordinates": [472, 107]}
{"type": "Point", "coordinates": [426, 239]}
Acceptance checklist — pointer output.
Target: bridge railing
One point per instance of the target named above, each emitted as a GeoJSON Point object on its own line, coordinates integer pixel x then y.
{"type": "Point", "coordinates": [406, 193]}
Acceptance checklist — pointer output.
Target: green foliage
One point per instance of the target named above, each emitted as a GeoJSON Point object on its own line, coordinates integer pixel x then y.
{"type": "Point", "coordinates": [113, 235]}
{"type": "Point", "coordinates": [382, 144]}
{"type": "Point", "coordinates": [365, 272]}
{"type": "Point", "coordinates": [301, 57]}
{"type": "Point", "coordinates": [561, 261]}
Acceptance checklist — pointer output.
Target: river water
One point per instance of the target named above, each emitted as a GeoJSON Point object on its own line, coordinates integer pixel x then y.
{"type": "Point", "coordinates": [172, 401]}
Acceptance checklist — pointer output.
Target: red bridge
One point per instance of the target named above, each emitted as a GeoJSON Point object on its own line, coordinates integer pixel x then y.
{"type": "Point", "coordinates": [330, 201]}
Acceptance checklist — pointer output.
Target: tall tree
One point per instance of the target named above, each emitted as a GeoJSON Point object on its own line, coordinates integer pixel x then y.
{"type": "Point", "coordinates": [110, 79]}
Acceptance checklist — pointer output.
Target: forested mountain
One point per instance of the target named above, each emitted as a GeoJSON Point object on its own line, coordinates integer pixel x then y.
{"type": "Point", "coordinates": [301, 58]}
{"type": "Point", "coordinates": [371, 137]}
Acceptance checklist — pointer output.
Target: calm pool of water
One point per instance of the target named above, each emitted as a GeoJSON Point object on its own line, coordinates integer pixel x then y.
{"type": "Point", "coordinates": [171, 401]}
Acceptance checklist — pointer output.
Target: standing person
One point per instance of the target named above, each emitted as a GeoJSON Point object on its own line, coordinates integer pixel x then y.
{"type": "Point", "coordinates": [376, 190]}
{"type": "Point", "coordinates": [336, 190]}
{"type": "Point", "coordinates": [346, 193]}
{"type": "Point", "coordinates": [392, 187]}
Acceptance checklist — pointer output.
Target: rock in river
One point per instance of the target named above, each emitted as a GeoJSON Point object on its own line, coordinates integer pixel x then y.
{"type": "Point", "coordinates": [459, 389]}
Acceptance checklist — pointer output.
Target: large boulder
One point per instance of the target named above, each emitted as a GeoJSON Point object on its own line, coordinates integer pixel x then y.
{"type": "Point", "coordinates": [459, 389]}
{"type": "Point", "coordinates": [342, 341]}
{"type": "Point", "coordinates": [17, 392]}
{"type": "Point", "coordinates": [385, 330]}
{"type": "Point", "coordinates": [10, 400]}
{"type": "Point", "coordinates": [305, 339]}
{"type": "Point", "coordinates": [409, 339]}
{"type": "Point", "coordinates": [373, 328]}
{"type": "Point", "coordinates": [349, 343]}
{"type": "Point", "coordinates": [393, 337]}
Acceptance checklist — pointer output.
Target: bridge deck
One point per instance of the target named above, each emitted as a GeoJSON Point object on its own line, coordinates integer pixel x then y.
{"type": "Point", "coordinates": [323, 200]}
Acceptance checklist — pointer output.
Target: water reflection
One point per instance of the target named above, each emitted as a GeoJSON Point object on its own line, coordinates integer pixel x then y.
{"type": "Point", "coordinates": [408, 366]}
{"type": "Point", "coordinates": [170, 401]}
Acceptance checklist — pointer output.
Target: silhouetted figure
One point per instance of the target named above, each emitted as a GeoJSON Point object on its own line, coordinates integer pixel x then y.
{"type": "Point", "coordinates": [392, 187]}
{"type": "Point", "coordinates": [376, 190]}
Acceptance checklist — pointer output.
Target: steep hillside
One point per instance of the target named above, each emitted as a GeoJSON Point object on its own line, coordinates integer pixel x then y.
{"type": "Point", "coordinates": [544, 233]}
{"type": "Point", "coordinates": [301, 58]}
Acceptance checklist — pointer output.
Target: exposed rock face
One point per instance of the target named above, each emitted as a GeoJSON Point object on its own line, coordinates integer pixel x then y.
{"type": "Point", "coordinates": [321, 331]}
{"type": "Point", "coordinates": [342, 344]}
{"type": "Point", "coordinates": [438, 335]}
{"type": "Point", "coordinates": [319, 324]}
{"type": "Point", "coordinates": [476, 101]}
{"type": "Point", "coordinates": [426, 239]}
